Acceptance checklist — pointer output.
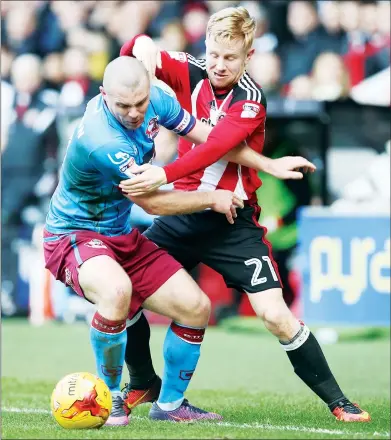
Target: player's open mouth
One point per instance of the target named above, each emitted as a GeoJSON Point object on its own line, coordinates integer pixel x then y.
{"type": "Point", "coordinates": [217, 75]}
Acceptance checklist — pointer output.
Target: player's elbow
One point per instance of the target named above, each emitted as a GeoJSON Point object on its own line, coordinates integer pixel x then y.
{"type": "Point", "coordinates": [152, 209]}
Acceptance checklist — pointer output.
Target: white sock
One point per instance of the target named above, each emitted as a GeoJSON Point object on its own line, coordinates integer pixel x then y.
{"type": "Point", "coordinates": [170, 406]}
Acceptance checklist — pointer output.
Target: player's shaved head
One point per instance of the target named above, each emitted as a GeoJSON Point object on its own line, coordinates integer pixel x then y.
{"type": "Point", "coordinates": [126, 90]}
{"type": "Point", "coordinates": [124, 72]}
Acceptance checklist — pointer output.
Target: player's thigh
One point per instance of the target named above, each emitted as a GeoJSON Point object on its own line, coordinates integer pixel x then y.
{"type": "Point", "coordinates": [103, 279]}
{"type": "Point", "coordinates": [86, 261]}
{"type": "Point", "coordinates": [170, 234]}
{"type": "Point", "coordinates": [181, 299]}
{"type": "Point", "coordinates": [244, 258]}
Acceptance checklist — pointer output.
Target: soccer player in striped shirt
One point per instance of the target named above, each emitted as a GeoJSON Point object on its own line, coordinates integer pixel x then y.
{"type": "Point", "coordinates": [219, 91]}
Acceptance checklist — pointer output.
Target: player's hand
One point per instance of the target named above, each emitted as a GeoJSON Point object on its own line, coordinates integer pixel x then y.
{"type": "Point", "coordinates": [146, 51]}
{"type": "Point", "coordinates": [290, 167]}
{"type": "Point", "coordinates": [147, 178]}
{"type": "Point", "coordinates": [226, 202]}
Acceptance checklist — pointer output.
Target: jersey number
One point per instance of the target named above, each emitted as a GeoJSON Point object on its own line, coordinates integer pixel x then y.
{"type": "Point", "coordinates": [255, 280]}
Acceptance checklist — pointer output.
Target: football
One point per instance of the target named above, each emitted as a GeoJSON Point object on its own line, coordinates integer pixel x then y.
{"type": "Point", "coordinates": [81, 401]}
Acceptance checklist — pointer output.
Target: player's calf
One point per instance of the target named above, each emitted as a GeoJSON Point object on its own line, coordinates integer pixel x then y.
{"type": "Point", "coordinates": [305, 354]}
{"type": "Point", "coordinates": [106, 284]}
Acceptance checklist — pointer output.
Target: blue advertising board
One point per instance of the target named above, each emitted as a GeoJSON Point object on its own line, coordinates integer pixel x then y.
{"type": "Point", "coordinates": [345, 267]}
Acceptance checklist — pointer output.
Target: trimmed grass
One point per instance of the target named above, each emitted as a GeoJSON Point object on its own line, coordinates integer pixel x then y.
{"type": "Point", "coordinates": [245, 377]}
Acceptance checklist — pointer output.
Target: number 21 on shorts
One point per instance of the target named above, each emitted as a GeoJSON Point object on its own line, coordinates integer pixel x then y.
{"type": "Point", "coordinates": [255, 280]}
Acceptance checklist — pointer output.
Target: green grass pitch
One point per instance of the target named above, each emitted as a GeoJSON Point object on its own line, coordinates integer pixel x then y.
{"type": "Point", "coordinates": [245, 377]}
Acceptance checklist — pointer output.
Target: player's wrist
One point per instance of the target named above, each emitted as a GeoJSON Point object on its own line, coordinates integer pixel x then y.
{"type": "Point", "coordinates": [169, 171]}
{"type": "Point", "coordinates": [209, 199]}
{"type": "Point", "coordinates": [268, 165]}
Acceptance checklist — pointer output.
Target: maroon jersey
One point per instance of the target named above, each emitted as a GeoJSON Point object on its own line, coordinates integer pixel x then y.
{"type": "Point", "coordinates": [238, 115]}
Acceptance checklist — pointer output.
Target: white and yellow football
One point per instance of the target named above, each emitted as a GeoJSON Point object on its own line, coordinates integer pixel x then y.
{"type": "Point", "coordinates": [81, 401]}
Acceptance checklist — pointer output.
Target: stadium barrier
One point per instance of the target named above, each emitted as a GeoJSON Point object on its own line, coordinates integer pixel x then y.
{"type": "Point", "coordinates": [344, 260]}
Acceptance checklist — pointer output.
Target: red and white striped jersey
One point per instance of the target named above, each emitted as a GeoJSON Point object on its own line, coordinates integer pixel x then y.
{"type": "Point", "coordinates": [237, 115]}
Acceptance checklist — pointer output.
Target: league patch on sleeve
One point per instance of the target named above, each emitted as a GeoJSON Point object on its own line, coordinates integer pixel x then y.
{"type": "Point", "coordinates": [250, 110]}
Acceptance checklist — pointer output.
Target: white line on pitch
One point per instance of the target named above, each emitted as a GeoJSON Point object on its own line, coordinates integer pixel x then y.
{"type": "Point", "coordinates": [254, 425]}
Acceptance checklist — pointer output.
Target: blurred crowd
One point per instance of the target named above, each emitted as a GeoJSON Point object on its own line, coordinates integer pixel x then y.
{"type": "Point", "coordinates": [53, 55]}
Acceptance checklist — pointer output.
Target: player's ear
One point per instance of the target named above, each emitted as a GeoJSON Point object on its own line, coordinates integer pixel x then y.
{"type": "Point", "coordinates": [249, 55]}
{"type": "Point", "coordinates": [102, 90]}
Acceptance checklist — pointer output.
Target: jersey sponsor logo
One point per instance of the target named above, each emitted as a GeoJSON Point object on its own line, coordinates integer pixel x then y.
{"type": "Point", "coordinates": [153, 127]}
{"type": "Point", "coordinates": [96, 244]}
{"type": "Point", "coordinates": [179, 56]}
{"type": "Point", "coordinates": [207, 121]}
{"type": "Point", "coordinates": [250, 110]}
{"type": "Point", "coordinates": [119, 158]}
{"type": "Point", "coordinates": [126, 165]}
{"type": "Point", "coordinates": [184, 123]}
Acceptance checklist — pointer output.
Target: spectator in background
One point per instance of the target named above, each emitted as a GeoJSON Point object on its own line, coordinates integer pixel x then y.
{"type": "Point", "coordinates": [133, 18]}
{"type": "Point", "coordinates": [195, 19]}
{"type": "Point", "coordinates": [21, 30]}
{"type": "Point", "coordinates": [264, 41]}
{"type": "Point", "coordinates": [218, 5]}
{"type": "Point", "coordinates": [309, 39]}
{"type": "Point", "coordinates": [76, 69]}
{"type": "Point", "coordinates": [329, 16]}
{"type": "Point", "coordinates": [6, 60]}
{"type": "Point", "coordinates": [330, 78]}
{"type": "Point", "coordinates": [265, 68]}
{"type": "Point", "coordinates": [70, 14]}
{"type": "Point", "coordinates": [77, 89]}
{"type": "Point", "coordinates": [353, 47]}
{"type": "Point", "coordinates": [31, 139]}
{"type": "Point", "coordinates": [173, 37]}
{"type": "Point", "coordinates": [378, 56]}
{"type": "Point", "coordinates": [300, 88]}
{"type": "Point", "coordinates": [53, 72]}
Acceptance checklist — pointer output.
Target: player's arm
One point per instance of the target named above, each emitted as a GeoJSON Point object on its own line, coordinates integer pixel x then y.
{"type": "Point", "coordinates": [170, 67]}
{"type": "Point", "coordinates": [164, 202]}
{"type": "Point", "coordinates": [282, 168]}
{"type": "Point", "coordinates": [236, 126]}
{"type": "Point", "coordinates": [114, 161]}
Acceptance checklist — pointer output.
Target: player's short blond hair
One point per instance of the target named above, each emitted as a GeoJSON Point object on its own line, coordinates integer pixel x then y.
{"type": "Point", "coordinates": [232, 24]}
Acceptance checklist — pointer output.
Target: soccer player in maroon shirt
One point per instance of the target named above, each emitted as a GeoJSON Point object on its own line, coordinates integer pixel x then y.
{"type": "Point", "coordinates": [220, 92]}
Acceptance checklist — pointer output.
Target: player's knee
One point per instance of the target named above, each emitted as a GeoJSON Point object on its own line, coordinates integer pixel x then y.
{"type": "Point", "coordinates": [196, 312]}
{"type": "Point", "coordinates": [203, 308]}
{"type": "Point", "coordinates": [276, 316]}
{"type": "Point", "coordinates": [121, 294]}
{"type": "Point", "coordinates": [115, 302]}
{"type": "Point", "coordinates": [280, 322]}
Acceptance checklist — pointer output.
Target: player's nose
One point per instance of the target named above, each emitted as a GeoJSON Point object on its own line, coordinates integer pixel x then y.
{"type": "Point", "coordinates": [133, 113]}
{"type": "Point", "coordinates": [220, 66]}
